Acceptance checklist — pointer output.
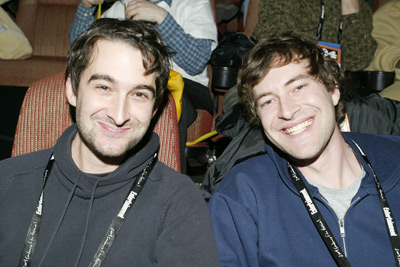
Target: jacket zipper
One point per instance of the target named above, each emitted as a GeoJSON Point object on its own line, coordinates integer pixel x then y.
{"type": "Point", "coordinates": [343, 235]}
{"type": "Point", "coordinates": [342, 231]}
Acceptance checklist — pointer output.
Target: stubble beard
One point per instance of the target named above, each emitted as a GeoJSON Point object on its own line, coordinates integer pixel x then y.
{"type": "Point", "coordinates": [115, 147]}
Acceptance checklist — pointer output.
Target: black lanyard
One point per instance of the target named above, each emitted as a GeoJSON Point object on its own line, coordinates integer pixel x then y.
{"type": "Point", "coordinates": [108, 240]}
{"type": "Point", "coordinates": [322, 226]}
{"type": "Point", "coordinates": [321, 25]}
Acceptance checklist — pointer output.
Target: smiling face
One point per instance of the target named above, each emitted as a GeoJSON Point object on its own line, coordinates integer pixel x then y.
{"type": "Point", "coordinates": [114, 102]}
{"type": "Point", "coordinates": [296, 111]}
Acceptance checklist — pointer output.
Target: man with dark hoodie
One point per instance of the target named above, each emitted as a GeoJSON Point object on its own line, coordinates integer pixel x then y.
{"type": "Point", "coordinates": [99, 196]}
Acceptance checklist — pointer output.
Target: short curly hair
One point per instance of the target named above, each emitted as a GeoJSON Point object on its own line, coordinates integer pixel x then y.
{"type": "Point", "coordinates": [140, 35]}
{"type": "Point", "coordinates": [279, 51]}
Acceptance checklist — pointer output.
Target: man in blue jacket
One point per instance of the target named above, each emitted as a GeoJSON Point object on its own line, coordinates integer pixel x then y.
{"type": "Point", "coordinates": [318, 197]}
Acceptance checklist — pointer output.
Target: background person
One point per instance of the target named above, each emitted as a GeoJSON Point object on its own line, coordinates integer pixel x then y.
{"type": "Point", "coordinates": [347, 23]}
{"type": "Point", "coordinates": [386, 32]}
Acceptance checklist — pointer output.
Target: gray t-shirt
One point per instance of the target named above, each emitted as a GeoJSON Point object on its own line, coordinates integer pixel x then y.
{"type": "Point", "coordinates": [339, 199]}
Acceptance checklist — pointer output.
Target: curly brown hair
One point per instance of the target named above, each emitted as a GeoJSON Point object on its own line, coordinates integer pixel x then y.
{"type": "Point", "coordinates": [279, 51]}
{"type": "Point", "coordinates": [140, 35]}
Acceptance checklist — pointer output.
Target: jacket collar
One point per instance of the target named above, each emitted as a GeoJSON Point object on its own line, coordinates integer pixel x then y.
{"type": "Point", "coordinates": [381, 152]}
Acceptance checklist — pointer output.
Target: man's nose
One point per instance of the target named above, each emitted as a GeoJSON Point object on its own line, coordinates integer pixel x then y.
{"type": "Point", "coordinates": [287, 108]}
{"type": "Point", "coordinates": [118, 110]}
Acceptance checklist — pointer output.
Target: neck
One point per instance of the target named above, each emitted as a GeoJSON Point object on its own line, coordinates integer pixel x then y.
{"type": "Point", "coordinates": [336, 167]}
{"type": "Point", "coordinates": [89, 162]}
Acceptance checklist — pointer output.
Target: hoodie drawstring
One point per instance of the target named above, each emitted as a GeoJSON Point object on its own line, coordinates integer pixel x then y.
{"type": "Point", "coordinates": [60, 221]}
{"type": "Point", "coordinates": [87, 223]}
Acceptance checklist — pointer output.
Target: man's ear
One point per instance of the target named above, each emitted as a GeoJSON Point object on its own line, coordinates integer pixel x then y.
{"type": "Point", "coordinates": [335, 95]}
{"type": "Point", "coordinates": [71, 96]}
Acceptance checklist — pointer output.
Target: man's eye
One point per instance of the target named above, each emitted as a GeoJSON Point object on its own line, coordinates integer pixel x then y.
{"type": "Point", "coordinates": [299, 87]}
{"type": "Point", "coordinates": [103, 88]}
{"type": "Point", "coordinates": [266, 103]}
{"type": "Point", "coordinates": [141, 95]}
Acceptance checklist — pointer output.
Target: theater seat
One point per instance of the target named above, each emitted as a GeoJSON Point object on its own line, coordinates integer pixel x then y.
{"type": "Point", "coordinates": [46, 25]}
{"type": "Point", "coordinates": [45, 114]}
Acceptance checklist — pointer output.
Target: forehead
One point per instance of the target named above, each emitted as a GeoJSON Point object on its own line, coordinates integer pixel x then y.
{"type": "Point", "coordinates": [283, 75]}
{"type": "Point", "coordinates": [113, 52]}
{"type": "Point", "coordinates": [119, 60]}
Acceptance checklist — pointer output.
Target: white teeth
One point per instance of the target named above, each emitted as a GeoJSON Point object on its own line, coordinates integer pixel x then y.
{"type": "Point", "coordinates": [298, 128]}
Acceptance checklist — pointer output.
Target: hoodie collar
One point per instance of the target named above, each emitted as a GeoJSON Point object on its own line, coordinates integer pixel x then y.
{"type": "Point", "coordinates": [68, 173]}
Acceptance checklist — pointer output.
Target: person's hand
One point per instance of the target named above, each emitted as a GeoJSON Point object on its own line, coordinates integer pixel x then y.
{"type": "Point", "coordinates": [90, 3]}
{"type": "Point", "coordinates": [350, 7]}
{"type": "Point", "coordinates": [145, 10]}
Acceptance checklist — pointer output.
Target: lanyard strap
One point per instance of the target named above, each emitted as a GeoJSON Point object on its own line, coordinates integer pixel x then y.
{"type": "Point", "coordinates": [322, 226]}
{"type": "Point", "coordinates": [321, 25]}
{"type": "Point", "coordinates": [387, 212]}
{"type": "Point", "coordinates": [317, 218]}
{"type": "Point", "coordinates": [33, 230]}
{"type": "Point", "coordinates": [116, 224]}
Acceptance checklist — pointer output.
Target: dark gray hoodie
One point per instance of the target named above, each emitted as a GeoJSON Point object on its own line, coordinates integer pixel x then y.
{"type": "Point", "coordinates": [168, 224]}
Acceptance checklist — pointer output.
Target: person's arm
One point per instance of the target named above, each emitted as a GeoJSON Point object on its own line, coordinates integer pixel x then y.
{"type": "Point", "coordinates": [83, 19]}
{"type": "Point", "coordinates": [374, 114]}
{"type": "Point", "coordinates": [387, 33]}
{"type": "Point", "coordinates": [235, 231]}
{"type": "Point", "coordinates": [357, 42]}
{"type": "Point", "coordinates": [192, 54]}
{"type": "Point", "coordinates": [350, 7]}
{"type": "Point", "coordinates": [185, 235]}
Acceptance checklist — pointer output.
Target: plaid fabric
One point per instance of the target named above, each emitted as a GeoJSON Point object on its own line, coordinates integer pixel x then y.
{"type": "Point", "coordinates": [83, 19]}
{"type": "Point", "coordinates": [192, 54]}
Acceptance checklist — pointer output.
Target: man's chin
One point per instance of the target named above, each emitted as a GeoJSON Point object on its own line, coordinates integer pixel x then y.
{"type": "Point", "coordinates": [112, 153]}
{"type": "Point", "coordinates": [110, 156]}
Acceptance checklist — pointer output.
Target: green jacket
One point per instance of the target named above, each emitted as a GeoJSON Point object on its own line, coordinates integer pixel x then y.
{"type": "Point", "coordinates": [301, 17]}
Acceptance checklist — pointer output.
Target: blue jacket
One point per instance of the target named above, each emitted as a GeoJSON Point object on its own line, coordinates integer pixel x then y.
{"type": "Point", "coordinates": [260, 220]}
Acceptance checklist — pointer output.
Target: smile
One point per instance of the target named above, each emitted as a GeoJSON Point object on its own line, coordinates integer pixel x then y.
{"type": "Point", "coordinates": [115, 130]}
{"type": "Point", "coordinates": [298, 128]}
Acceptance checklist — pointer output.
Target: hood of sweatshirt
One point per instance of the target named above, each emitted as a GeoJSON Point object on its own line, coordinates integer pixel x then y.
{"type": "Point", "coordinates": [70, 175]}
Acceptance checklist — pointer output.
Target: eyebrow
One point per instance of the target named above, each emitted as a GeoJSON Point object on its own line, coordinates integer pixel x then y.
{"type": "Point", "coordinates": [296, 78]}
{"type": "Point", "coordinates": [110, 79]}
{"type": "Point", "coordinates": [104, 77]}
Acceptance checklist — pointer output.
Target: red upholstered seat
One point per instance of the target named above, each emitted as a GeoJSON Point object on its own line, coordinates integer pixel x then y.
{"type": "Point", "coordinates": [204, 122]}
{"type": "Point", "coordinates": [46, 24]}
{"type": "Point", "coordinates": [45, 115]}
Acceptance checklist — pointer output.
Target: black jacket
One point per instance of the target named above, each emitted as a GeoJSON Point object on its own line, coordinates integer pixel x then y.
{"type": "Point", "coordinates": [369, 114]}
